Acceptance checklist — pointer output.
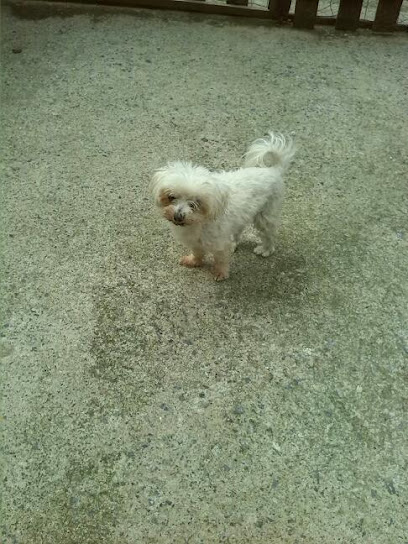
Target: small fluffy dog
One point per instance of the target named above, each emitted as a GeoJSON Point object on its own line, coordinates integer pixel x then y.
{"type": "Point", "coordinates": [209, 210]}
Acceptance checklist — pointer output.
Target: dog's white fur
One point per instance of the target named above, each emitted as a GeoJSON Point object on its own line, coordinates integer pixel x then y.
{"type": "Point", "coordinates": [209, 210]}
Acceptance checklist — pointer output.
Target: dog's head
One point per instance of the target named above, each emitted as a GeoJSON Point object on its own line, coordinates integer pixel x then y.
{"type": "Point", "coordinates": [187, 194]}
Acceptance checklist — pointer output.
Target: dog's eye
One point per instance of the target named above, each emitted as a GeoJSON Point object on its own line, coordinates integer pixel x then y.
{"type": "Point", "coordinates": [193, 205]}
{"type": "Point", "coordinates": [171, 198]}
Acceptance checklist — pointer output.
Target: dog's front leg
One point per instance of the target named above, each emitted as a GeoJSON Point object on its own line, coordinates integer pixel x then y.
{"type": "Point", "coordinates": [221, 264]}
{"type": "Point", "coordinates": [196, 258]}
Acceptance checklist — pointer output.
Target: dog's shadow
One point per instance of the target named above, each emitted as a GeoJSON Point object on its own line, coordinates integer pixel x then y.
{"type": "Point", "coordinates": [282, 276]}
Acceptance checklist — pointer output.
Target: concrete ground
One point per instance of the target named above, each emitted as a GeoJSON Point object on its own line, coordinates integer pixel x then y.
{"type": "Point", "coordinates": [146, 403]}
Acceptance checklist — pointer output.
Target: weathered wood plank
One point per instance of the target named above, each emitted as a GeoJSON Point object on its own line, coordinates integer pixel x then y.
{"type": "Point", "coordinates": [200, 6]}
{"type": "Point", "coordinates": [279, 9]}
{"type": "Point", "coordinates": [348, 16]}
{"type": "Point", "coordinates": [387, 15]}
{"type": "Point", "coordinates": [238, 2]}
{"type": "Point", "coordinates": [305, 13]}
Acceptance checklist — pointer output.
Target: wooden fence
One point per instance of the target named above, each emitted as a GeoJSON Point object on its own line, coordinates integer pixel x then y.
{"type": "Point", "coordinates": [305, 14]}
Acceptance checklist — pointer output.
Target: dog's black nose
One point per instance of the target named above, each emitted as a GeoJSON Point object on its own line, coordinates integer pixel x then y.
{"type": "Point", "coordinates": [178, 217]}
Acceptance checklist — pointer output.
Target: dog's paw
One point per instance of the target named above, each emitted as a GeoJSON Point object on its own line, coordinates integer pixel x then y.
{"type": "Point", "coordinates": [191, 261]}
{"type": "Point", "coordinates": [260, 250]}
{"type": "Point", "coordinates": [220, 275]}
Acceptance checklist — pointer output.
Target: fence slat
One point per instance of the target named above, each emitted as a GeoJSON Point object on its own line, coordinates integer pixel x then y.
{"type": "Point", "coordinates": [279, 9]}
{"type": "Point", "coordinates": [387, 15]}
{"type": "Point", "coordinates": [305, 13]}
{"type": "Point", "coordinates": [349, 14]}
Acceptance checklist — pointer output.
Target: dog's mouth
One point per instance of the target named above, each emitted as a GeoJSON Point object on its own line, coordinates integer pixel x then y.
{"type": "Point", "coordinates": [177, 223]}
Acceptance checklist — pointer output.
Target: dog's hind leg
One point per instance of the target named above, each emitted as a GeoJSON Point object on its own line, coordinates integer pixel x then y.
{"type": "Point", "coordinates": [267, 223]}
{"type": "Point", "coordinates": [236, 239]}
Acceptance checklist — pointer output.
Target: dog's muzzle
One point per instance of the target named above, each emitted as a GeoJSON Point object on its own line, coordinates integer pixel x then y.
{"type": "Point", "coordinates": [178, 219]}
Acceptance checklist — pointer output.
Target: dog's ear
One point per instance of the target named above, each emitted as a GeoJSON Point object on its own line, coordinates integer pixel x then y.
{"type": "Point", "coordinates": [215, 201]}
{"type": "Point", "coordinates": [156, 184]}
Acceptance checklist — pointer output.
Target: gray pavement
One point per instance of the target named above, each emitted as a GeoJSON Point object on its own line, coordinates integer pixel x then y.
{"type": "Point", "coordinates": [143, 402]}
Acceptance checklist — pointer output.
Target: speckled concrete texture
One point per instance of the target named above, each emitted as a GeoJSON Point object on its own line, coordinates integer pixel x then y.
{"type": "Point", "coordinates": [146, 403]}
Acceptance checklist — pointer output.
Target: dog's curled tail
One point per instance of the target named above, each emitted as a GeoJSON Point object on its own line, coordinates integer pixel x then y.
{"type": "Point", "coordinates": [273, 150]}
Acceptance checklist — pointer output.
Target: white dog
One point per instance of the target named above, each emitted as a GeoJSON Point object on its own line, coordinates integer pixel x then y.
{"type": "Point", "coordinates": [209, 210]}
